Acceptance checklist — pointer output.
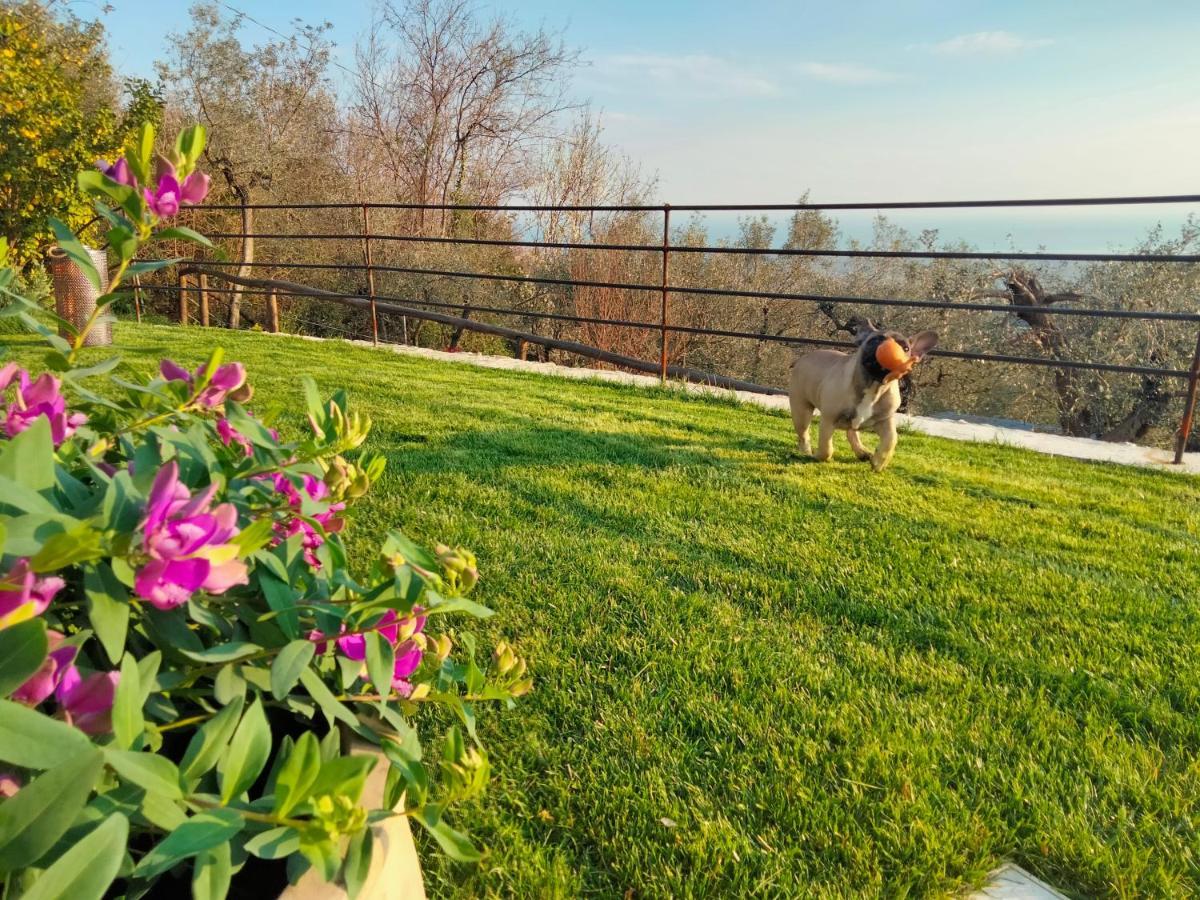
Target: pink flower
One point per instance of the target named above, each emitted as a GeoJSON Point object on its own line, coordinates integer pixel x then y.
{"type": "Point", "coordinates": [327, 518]}
{"type": "Point", "coordinates": [187, 543]}
{"type": "Point", "coordinates": [31, 399]}
{"type": "Point", "coordinates": [47, 678]}
{"type": "Point", "coordinates": [87, 702]}
{"type": "Point", "coordinates": [23, 595]}
{"type": "Point", "coordinates": [354, 646]}
{"type": "Point", "coordinates": [230, 435]}
{"type": "Point", "coordinates": [164, 200]}
{"type": "Point", "coordinates": [228, 381]}
{"type": "Point", "coordinates": [194, 188]}
{"type": "Point", "coordinates": [399, 632]}
{"type": "Point", "coordinates": [408, 658]}
{"type": "Point", "coordinates": [118, 172]}
{"type": "Point", "coordinates": [9, 784]}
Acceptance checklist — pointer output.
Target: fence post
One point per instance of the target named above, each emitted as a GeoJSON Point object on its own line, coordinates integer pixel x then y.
{"type": "Point", "coordinates": [370, 274]}
{"type": "Point", "coordinates": [666, 257]}
{"type": "Point", "coordinates": [137, 298]}
{"type": "Point", "coordinates": [202, 290]}
{"type": "Point", "coordinates": [183, 300]}
{"type": "Point", "coordinates": [273, 311]}
{"type": "Point", "coordinates": [1189, 408]}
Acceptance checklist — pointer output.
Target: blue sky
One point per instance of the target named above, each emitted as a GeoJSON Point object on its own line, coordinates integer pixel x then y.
{"type": "Point", "coordinates": [919, 99]}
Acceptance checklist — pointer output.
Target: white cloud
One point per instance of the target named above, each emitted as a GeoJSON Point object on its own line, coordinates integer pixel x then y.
{"type": "Point", "coordinates": [985, 42]}
{"type": "Point", "coordinates": [845, 73]}
{"type": "Point", "coordinates": [696, 74]}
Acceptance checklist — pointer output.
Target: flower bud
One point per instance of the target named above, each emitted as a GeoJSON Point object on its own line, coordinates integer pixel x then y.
{"type": "Point", "coordinates": [420, 691]}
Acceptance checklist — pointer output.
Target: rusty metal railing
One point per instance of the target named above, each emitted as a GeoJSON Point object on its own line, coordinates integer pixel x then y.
{"type": "Point", "coordinates": [374, 302]}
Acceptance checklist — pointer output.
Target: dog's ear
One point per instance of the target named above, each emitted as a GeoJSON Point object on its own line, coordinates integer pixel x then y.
{"type": "Point", "coordinates": [864, 329]}
{"type": "Point", "coordinates": [920, 344]}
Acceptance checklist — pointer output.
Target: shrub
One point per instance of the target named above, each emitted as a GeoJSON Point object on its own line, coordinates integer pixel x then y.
{"type": "Point", "coordinates": [185, 646]}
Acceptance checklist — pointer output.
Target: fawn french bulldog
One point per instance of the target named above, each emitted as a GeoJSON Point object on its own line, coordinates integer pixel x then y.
{"type": "Point", "coordinates": [855, 390]}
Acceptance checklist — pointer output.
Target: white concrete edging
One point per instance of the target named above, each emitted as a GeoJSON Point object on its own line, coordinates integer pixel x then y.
{"type": "Point", "coordinates": [1050, 444]}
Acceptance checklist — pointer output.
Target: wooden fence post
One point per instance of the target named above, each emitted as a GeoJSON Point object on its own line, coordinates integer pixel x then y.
{"type": "Point", "coordinates": [273, 311]}
{"type": "Point", "coordinates": [202, 290]}
{"type": "Point", "coordinates": [183, 300]}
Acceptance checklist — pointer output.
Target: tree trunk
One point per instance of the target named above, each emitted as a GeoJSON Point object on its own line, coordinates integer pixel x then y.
{"type": "Point", "coordinates": [235, 300]}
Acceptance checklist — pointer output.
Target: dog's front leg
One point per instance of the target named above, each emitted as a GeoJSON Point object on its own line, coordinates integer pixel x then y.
{"type": "Point", "coordinates": [887, 444]}
{"type": "Point", "coordinates": [825, 439]}
{"type": "Point", "coordinates": [856, 444]}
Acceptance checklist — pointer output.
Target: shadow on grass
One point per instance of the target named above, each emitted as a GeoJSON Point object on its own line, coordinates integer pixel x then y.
{"type": "Point", "coordinates": [481, 452]}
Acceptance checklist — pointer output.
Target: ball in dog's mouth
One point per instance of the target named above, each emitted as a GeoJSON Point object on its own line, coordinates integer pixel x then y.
{"type": "Point", "coordinates": [892, 356]}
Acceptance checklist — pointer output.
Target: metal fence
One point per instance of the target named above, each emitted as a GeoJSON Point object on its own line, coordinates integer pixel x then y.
{"type": "Point", "coordinates": [199, 270]}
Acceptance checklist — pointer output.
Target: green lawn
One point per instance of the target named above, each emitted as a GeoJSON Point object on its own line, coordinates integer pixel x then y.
{"type": "Point", "coordinates": [758, 675]}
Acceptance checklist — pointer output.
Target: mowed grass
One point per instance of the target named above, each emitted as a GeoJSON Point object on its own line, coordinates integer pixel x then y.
{"type": "Point", "coordinates": [762, 676]}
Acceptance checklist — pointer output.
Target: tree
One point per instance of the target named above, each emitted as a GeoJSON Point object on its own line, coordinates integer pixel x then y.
{"type": "Point", "coordinates": [268, 108]}
{"type": "Point", "coordinates": [457, 108]}
{"type": "Point", "coordinates": [57, 116]}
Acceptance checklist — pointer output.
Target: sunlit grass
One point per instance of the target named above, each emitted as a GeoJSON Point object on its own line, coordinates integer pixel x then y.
{"type": "Point", "coordinates": [758, 675]}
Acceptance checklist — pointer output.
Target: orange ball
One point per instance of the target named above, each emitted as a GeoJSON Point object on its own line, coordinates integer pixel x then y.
{"type": "Point", "coordinates": [891, 355]}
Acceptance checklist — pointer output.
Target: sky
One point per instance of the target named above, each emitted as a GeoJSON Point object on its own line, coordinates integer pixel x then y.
{"type": "Point", "coordinates": [760, 101]}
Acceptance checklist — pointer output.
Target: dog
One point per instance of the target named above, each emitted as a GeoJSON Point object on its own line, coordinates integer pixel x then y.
{"type": "Point", "coordinates": [853, 391]}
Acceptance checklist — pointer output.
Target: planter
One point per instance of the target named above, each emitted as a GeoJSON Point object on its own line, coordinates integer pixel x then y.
{"type": "Point", "coordinates": [75, 297]}
{"type": "Point", "coordinates": [395, 868]}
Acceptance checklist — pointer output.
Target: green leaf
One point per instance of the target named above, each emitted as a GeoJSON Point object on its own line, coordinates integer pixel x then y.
{"type": "Point", "coordinates": [38, 814]}
{"type": "Point", "coordinates": [86, 870]}
{"type": "Point", "coordinates": [23, 649]}
{"type": "Point", "coordinates": [416, 779]}
{"type": "Point", "coordinates": [289, 663]}
{"type": "Point", "coordinates": [123, 242]}
{"type": "Point", "coordinates": [274, 844]}
{"type": "Point", "coordinates": [201, 832]}
{"type": "Point", "coordinates": [344, 775]}
{"type": "Point", "coordinates": [323, 855]}
{"type": "Point", "coordinates": [83, 543]}
{"type": "Point", "coordinates": [156, 774]}
{"type": "Point", "coordinates": [358, 862]}
{"type": "Point", "coordinates": [455, 844]}
{"type": "Point", "coordinates": [108, 608]}
{"type": "Point", "coordinates": [101, 368]}
{"type": "Point", "coordinates": [190, 144]}
{"type": "Point", "coordinates": [228, 685]}
{"type": "Point", "coordinates": [209, 741]}
{"type": "Point", "coordinates": [28, 458]}
{"type": "Point", "coordinates": [298, 773]}
{"type": "Point", "coordinates": [278, 593]}
{"type": "Point", "coordinates": [381, 661]}
{"type": "Point", "coordinates": [247, 754]}
{"type": "Point", "coordinates": [71, 246]}
{"type": "Point", "coordinates": [35, 741]}
{"type": "Point", "coordinates": [127, 720]}
{"type": "Point", "coordinates": [397, 543]}
{"type": "Point", "coordinates": [151, 265]}
{"type": "Point", "coordinates": [459, 604]}
{"type": "Point", "coordinates": [333, 709]}
{"type": "Point", "coordinates": [179, 233]}
{"type": "Point", "coordinates": [222, 652]}
{"type": "Point", "coordinates": [212, 873]}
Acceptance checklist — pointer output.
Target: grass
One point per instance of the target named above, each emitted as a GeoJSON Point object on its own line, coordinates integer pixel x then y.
{"type": "Point", "coordinates": [762, 676]}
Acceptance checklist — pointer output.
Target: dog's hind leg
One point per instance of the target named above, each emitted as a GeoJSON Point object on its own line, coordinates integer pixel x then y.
{"type": "Point", "coordinates": [825, 439]}
{"type": "Point", "coordinates": [856, 444]}
{"type": "Point", "coordinates": [802, 414]}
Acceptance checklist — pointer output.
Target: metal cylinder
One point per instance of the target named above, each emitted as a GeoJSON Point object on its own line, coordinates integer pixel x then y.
{"type": "Point", "coordinates": [75, 297]}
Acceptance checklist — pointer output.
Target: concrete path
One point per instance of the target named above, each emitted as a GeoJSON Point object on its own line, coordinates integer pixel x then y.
{"type": "Point", "coordinates": [1051, 444]}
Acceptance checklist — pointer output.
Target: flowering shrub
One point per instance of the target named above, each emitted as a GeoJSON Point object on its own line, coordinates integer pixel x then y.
{"type": "Point", "coordinates": [185, 646]}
